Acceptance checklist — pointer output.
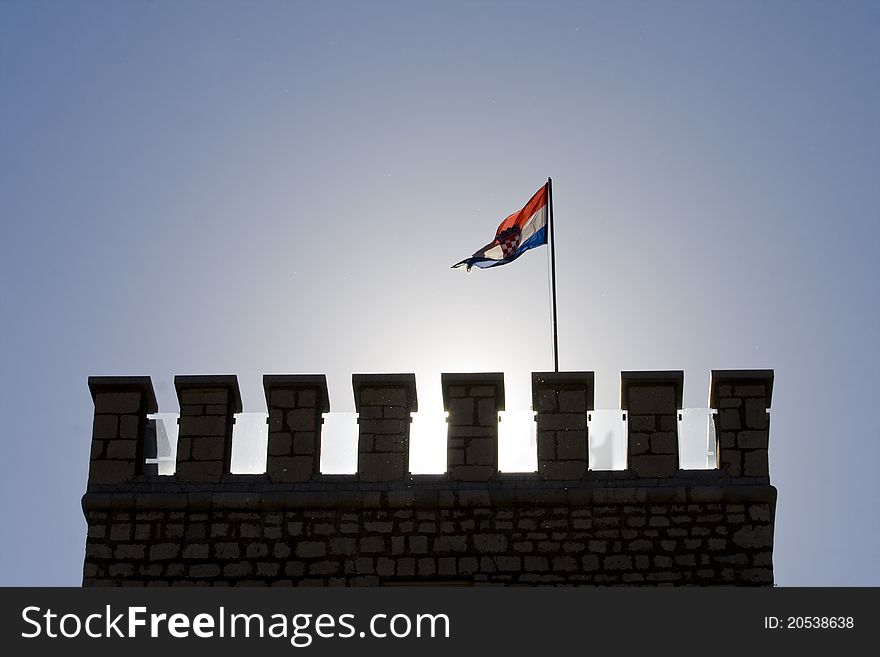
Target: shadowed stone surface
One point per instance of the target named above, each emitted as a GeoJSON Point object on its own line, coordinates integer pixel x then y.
{"type": "Point", "coordinates": [651, 525]}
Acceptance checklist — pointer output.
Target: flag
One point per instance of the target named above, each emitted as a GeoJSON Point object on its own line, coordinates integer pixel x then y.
{"type": "Point", "coordinates": [517, 234]}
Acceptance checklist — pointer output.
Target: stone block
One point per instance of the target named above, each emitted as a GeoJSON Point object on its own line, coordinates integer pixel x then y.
{"type": "Point", "coordinates": [453, 543]}
{"type": "Point", "coordinates": [122, 571]}
{"type": "Point", "coordinates": [639, 443]}
{"type": "Point", "coordinates": [393, 443]}
{"type": "Point", "coordinates": [119, 403]}
{"type": "Point", "coordinates": [129, 427]}
{"type": "Point", "coordinates": [590, 562]}
{"type": "Point", "coordinates": [756, 414]}
{"type": "Point", "coordinates": [122, 449]}
{"type": "Point", "coordinates": [304, 443]}
{"type": "Point", "coordinates": [546, 401]}
{"type": "Point", "coordinates": [727, 440]}
{"type": "Point", "coordinates": [457, 436]}
{"type": "Point", "coordinates": [490, 543]}
{"type": "Point", "coordinates": [111, 472]}
{"type": "Point", "coordinates": [184, 448]}
{"type": "Point", "coordinates": [654, 466]}
{"type": "Point", "coordinates": [755, 463]}
{"type": "Point", "coordinates": [750, 390]}
{"type": "Point", "coordinates": [199, 471]}
{"type": "Point", "coordinates": [731, 462]}
{"type": "Point", "coordinates": [382, 427]}
{"type": "Point", "coordinates": [385, 567]}
{"type": "Point", "coordinates": [372, 545]}
{"type": "Point", "coordinates": [125, 552]}
{"type": "Point", "coordinates": [487, 412]}
{"type": "Point", "coordinates": [381, 467]}
{"type": "Point", "coordinates": [754, 536]}
{"type": "Point", "coordinates": [276, 421]}
{"type": "Point", "coordinates": [291, 469]}
{"type": "Point", "coordinates": [280, 444]}
{"type": "Point", "coordinates": [729, 419]}
{"type": "Point", "coordinates": [204, 570]}
{"type": "Point", "coordinates": [294, 569]}
{"type": "Point", "coordinates": [208, 448]}
{"type": "Point", "coordinates": [536, 564]}
{"type": "Point", "coordinates": [724, 390]}
{"type": "Point", "coordinates": [301, 419]}
{"type": "Point", "coordinates": [282, 398]}
{"type": "Point", "coordinates": [759, 512]}
{"type": "Point", "coordinates": [562, 421]}
{"type": "Point", "coordinates": [472, 472]}
{"type": "Point", "coordinates": [204, 396]}
{"type": "Point", "coordinates": [564, 564]}
{"type": "Point", "coordinates": [481, 451]}
{"type": "Point", "coordinates": [98, 448]}
{"type": "Point", "coordinates": [508, 564]}
{"type": "Point", "coordinates": [752, 439]}
{"type": "Point", "coordinates": [196, 551]}
{"type": "Point", "coordinates": [406, 567]}
{"type": "Point", "coordinates": [669, 422]}
{"type": "Point", "coordinates": [383, 396]}
{"type": "Point", "coordinates": [467, 565]}
{"type": "Point", "coordinates": [573, 401]}
{"type": "Point", "coordinates": [105, 427]}
{"type": "Point", "coordinates": [268, 569]}
{"type": "Point", "coordinates": [311, 549]}
{"type": "Point", "coordinates": [164, 551]}
{"type": "Point", "coordinates": [256, 550]}
{"type": "Point", "coordinates": [546, 446]}
{"type": "Point", "coordinates": [642, 423]}
{"type": "Point", "coordinates": [562, 470]}
{"type": "Point", "coordinates": [664, 443]}
{"type": "Point", "coordinates": [306, 398]}
{"type": "Point", "coordinates": [202, 425]}
{"type": "Point", "coordinates": [651, 399]}
{"type": "Point", "coordinates": [461, 412]}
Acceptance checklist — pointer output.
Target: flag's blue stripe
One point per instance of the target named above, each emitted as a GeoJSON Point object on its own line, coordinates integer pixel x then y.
{"type": "Point", "coordinates": [538, 238]}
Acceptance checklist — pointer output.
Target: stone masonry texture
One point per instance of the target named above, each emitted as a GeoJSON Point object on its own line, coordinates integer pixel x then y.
{"type": "Point", "coordinates": [563, 525]}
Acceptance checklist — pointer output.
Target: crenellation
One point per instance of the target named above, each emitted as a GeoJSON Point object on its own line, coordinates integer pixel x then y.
{"type": "Point", "coordinates": [652, 524]}
{"type": "Point", "coordinates": [295, 404]}
{"type": "Point", "coordinates": [652, 401]}
{"type": "Point", "coordinates": [472, 402]}
{"type": "Point", "coordinates": [562, 401]}
{"type": "Point", "coordinates": [744, 427]}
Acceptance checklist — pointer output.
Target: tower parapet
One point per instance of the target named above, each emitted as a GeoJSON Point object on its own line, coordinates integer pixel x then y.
{"type": "Point", "coordinates": [651, 524]}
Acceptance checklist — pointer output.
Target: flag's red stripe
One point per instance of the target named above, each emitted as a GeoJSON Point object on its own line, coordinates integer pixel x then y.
{"type": "Point", "coordinates": [535, 203]}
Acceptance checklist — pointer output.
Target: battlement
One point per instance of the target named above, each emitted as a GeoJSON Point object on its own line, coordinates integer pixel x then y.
{"type": "Point", "coordinates": [652, 523]}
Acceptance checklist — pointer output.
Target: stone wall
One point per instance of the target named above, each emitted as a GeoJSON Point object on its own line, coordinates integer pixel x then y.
{"type": "Point", "coordinates": [652, 524]}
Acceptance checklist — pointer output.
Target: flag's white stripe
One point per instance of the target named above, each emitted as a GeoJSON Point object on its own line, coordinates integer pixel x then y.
{"type": "Point", "coordinates": [496, 253]}
{"type": "Point", "coordinates": [534, 224]}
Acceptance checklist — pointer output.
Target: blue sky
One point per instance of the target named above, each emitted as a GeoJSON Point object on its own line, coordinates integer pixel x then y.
{"type": "Point", "coordinates": [231, 187]}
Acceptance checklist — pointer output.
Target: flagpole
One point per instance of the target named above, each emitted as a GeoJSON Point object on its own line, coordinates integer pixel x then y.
{"type": "Point", "coordinates": [553, 272]}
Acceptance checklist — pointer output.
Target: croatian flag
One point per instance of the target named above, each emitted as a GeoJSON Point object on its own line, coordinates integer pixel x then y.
{"type": "Point", "coordinates": [517, 234]}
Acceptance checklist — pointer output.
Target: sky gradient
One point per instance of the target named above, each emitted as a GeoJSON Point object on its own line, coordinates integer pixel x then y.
{"type": "Point", "coordinates": [281, 187]}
